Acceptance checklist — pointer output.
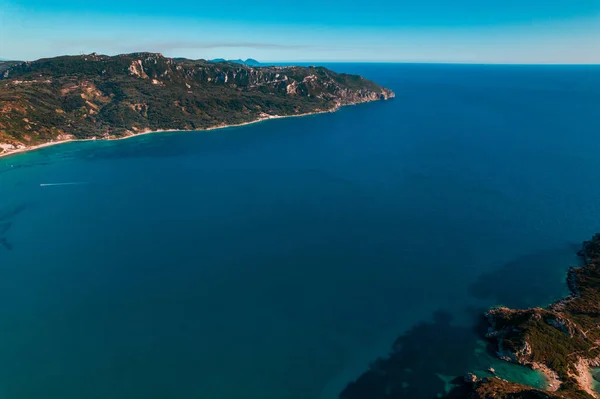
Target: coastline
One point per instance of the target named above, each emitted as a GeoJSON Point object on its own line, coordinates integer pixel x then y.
{"type": "Point", "coordinates": [261, 118]}
{"type": "Point", "coordinates": [570, 369]}
{"type": "Point", "coordinates": [552, 380]}
{"type": "Point", "coordinates": [584, 377]}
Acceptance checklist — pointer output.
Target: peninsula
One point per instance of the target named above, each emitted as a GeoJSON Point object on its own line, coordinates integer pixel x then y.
{"type": "Point", "coordinates": [93, 96]}
{"type": "Point", "coordinates": [561, 340]}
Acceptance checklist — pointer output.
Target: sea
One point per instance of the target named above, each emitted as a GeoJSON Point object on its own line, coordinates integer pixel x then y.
{"type": "Point", "coordinates": [279, 260]}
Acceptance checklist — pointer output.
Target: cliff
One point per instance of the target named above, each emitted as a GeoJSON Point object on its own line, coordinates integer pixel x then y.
{"type": "Point", "coordinates": [96, 96]}
{"type": "Point", "coordinates": [562, 340]}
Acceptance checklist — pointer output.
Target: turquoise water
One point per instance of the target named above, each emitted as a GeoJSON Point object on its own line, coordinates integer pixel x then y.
{"type": "Point", "coordinates": [278, 260]}
{"type": "Point", "coordinates": [508, 371]}
{"type": "Point", "coordinates": [595, 379]}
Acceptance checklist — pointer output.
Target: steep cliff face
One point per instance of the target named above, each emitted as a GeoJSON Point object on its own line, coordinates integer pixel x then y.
{"type": "Point", "coordinates": [562, 340]}
{"type": "Point", "coordinates": [96, 96]}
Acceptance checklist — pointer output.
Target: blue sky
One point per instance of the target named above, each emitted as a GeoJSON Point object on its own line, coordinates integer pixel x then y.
{"type": "Point", "coordinates": [480, 31]}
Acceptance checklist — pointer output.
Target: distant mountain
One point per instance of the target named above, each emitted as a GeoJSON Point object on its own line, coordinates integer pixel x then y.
{"type": "Point", "coordinates": [249, 61]}
{"type": "Point", "coordinates": [97, 96]}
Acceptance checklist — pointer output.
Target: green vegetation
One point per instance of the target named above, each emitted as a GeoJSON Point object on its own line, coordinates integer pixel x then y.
{"type": "Point", "coordinates": [4, 65]}
{"type": "Point", "coordinates": [561, 338]}
{"type": "Point", "coordinates": [99, 96]}
{"type": "Point", "coordinates": [500, 389]}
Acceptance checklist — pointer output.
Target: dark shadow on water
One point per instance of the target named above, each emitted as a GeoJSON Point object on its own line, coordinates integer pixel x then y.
{"type": "Point", "coordinates": [460, 390]}
{"type": "Point", "coordinates": [4, 227]}
{"type": "Point", "coordinates": [533, 280]}
{"type": "Point", "coordinates": [4, 242]}
{"type": "Point", "coordinates": [6, 216]}
{"type": "Point", "coordinates": [423, 361]}
{"type": "Point", "coordinates": [430, 359]}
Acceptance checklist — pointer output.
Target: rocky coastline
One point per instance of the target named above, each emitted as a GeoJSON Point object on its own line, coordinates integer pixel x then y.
{"type": "Point", "coordinates": [7, 149]}
{"type": "Point", "coordinates": [92, 97]}
{"type": "Point", "coordinates": [561, 340]}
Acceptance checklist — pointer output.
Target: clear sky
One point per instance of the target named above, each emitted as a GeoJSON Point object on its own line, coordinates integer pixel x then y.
{"type": "Point", "coordinates": [480, 31]}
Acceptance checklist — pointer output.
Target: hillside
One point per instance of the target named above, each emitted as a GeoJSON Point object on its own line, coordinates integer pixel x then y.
{"type": "Point", "coordinates": [4, 65]}
{"type": "Point", "coordinates": [562, 341]}
{"type": "Point", "coordinates": [96, 96]}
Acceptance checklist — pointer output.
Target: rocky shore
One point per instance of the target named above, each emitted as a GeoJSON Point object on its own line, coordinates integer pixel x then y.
{"type": "Point", "coordinates": [7, 149]}
{"type": "Point", "coordinates": [562, 340]}
{"type": "Point", "coordinates": [93, 96]}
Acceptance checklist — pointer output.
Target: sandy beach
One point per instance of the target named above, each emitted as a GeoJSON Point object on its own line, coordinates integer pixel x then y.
{"type": "Point", "coordinates": [262, 118]}
{"type": "Point", "coordinates": [584, 376]}
{"type": "Point", "coordinates": [551, 377]}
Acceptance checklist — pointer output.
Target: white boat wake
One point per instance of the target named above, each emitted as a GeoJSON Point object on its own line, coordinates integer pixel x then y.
{"type": "Point", "coordinates": [63, 184]}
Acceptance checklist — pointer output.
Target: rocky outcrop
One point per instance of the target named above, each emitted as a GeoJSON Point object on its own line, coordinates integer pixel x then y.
{"type": "Point", "coordinates": [562, 340]}
{"type": "Point", "coordinates": [470, 378]}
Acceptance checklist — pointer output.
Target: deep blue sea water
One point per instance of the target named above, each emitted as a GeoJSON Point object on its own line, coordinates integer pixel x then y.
{"type": "Point", "coordinates": [277, 260]}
